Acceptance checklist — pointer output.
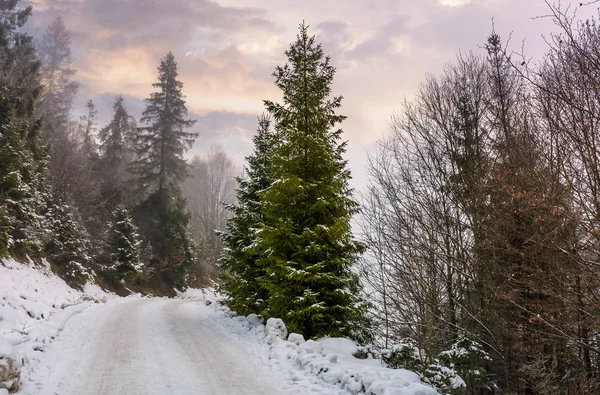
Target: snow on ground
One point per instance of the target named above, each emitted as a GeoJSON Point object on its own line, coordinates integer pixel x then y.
{"type": "Point", "coordinates": [64, 341]}
{"type": "Point", "coordinates": [325, 366]}
{"type": "Point", "coordinates": [35, 305]}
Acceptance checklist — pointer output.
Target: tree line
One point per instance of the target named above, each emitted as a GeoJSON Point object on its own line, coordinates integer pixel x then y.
{"type": "Point", "coordinates": [104, 204]}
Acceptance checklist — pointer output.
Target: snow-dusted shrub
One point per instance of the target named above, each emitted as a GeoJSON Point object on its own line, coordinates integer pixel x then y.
{"type": "Point", "coordinates": [439, 373]}
{"type": "Point", "coordinates": [468, 358]}
{"type": "Point", "coordinates": [443, 378]}
{"type": "Point", "coordinates": [124, 246]}
{"type": "Point", "coordinates": [366, 352]}
{"type": "Point", "coordinates": [405, 355]}
{"type": "Point", "coordinates": [69, 247]}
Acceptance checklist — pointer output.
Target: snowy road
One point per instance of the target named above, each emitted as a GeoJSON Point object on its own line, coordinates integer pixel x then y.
{"type": "Point", "coordinates": [149, 346]}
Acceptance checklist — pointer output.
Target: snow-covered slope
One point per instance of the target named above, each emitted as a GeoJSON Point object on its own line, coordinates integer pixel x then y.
{"type": "Point", "coordinates": [35, 305]}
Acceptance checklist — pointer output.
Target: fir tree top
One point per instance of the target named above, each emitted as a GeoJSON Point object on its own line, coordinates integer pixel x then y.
{"type": "Point", "coordinates": [113, 136]}
{"type": "Point", "coordinates": [163, 141]}
{"type": "Point", "coordinates": [306, 85]}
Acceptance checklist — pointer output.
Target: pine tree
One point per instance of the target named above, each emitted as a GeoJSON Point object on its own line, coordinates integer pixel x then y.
{"type": "Point", "coordinates": [125, 245]}
{"type": "Point", "coordinates": [164, 219]}
{"type": "Point", "coordinates": [69, 247]}
{"type": "Point", "coordinates": [242, 274]}
{"type": "Point", "coordinates": [307, 245]}
{"type": "Point", "coordinates": [116, 153]}
{"type": "Point", "coordinates": [59, 90]}
{"type": "Point", "coordinates": [159, 170]}
{"type": "Point", "coordinates": [23, 186]}
{"type": "Point", "coordinates": [162, 142]}
{"type": "Point", "coordinates": [23, 160]}
{"type": "Point", "coordinates": [90, 120]}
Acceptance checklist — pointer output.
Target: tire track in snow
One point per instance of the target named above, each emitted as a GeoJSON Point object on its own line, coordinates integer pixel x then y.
{"type": "Point", "coordinates": [148, 346]}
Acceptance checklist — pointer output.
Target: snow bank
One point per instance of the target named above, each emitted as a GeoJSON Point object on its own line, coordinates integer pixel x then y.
{"type": "Point", "coordinates": [324, 366]}
{"type": "Point", "coordinates": [35, 305]}
{"type": "Point", "coordinates": [332, 360]}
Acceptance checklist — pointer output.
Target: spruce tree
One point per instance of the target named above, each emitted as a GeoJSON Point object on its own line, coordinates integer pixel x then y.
{"type": "Point", "coordinates": [59, 90]}
{"type": "Point", "coordinates": [164, 220]}
{"type": "Point", "coordinates": [162, 142]}
{"type": "Point", "coordinates": [70, 245]}
{"type": "Point", "coordinates": [90, 120]}
{"type": "Point", "coordinates": [125, 245]}
{"type": "Point", "coordinates": [242, 275]}
{"type": "Point", "coordinates": [159, 170]}
{"type": "Point", "coordinates": [23, 160]}
{"type": "Point", "coordinates": [307, 245]}
{"type": "Point", "coordinates": [116, 154]}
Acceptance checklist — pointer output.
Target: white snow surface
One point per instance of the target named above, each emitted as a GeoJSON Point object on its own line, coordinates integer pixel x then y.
{"type": "Point", "coordinates": [91, 342]}
{"type": "Point", "coordinates": [35, 305]}
{"type": "Point", "coordinates": [325, 366]}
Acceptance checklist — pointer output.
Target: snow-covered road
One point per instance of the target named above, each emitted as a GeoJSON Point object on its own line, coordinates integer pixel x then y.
{"type": "Point", "coordinates": [149, 346]}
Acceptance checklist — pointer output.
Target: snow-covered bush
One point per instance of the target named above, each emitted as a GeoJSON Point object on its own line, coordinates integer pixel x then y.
{"type": "Point", "coordinates": [255, 320]}
{"type": "Point", "coordinates": [331, 361]}
{"type": "Point", "coordinates": [406, 355]}
{"type": "Point", "coordinates": [468, 358]}
{"type": "Point", "coordinates": [439, 372]}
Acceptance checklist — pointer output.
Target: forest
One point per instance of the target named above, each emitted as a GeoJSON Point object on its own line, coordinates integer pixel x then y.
{"type": "Point", "coordinates": [472, 251]}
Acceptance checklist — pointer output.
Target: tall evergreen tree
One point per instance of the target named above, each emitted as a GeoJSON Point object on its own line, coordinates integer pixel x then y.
{"type": "Point", "coordinates": [307, 240]}
{"type": "Point", "coordinates": [159, 170]}
{"type": "Point", "coordinates": [164, 220]}
{"type": "Point", "coordinates": [242, 275]}
{"type": "Point", "coordinates": [162, 142]}
{"type": "Point", "coordinates": [116, 153]}
{"type": "Point", "coordinates": [90, 121]}
{"type": "Point", "coordinates": [59, 90]}
{"type": "Point", "coordinates": [23, 181]}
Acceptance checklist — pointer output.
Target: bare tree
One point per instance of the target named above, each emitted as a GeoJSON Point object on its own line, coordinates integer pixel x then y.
{"type": "Point", "coordinates": [210, 186]}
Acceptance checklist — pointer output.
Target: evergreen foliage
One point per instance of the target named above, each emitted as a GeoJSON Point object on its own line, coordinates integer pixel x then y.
{"type": "Point", "coordinates": [59, 90]}
{"type": "Point", "coordinates": [242, 276]}
{"type": "Point", "coordinates": [90, 148]}
{"type": "Point", "coordinates": [162, 142]}
{"type": "Point", "coordinates": [306, 242]}
{"type": "Point", "coordinates": [22, 190]}
{"type": "Point", "coordinates": [125, 245]}
{"type": "Point", "coordinates": [23, 185]}
{"type": "Point", "coordinates": [164, 219]}
{"type": "Point", "coordinates": [69, 246]}
{"type": "Point", "coordinates": [116, 153]}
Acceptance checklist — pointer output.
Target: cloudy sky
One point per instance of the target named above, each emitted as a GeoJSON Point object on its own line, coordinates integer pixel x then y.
{"type": "Point", "coordinates": [227, 50]}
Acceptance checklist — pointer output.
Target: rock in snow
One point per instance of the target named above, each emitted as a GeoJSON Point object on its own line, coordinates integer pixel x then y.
{"type": "Point", "coordinates": [296, 338]}
{"type": "Point", "coordinates": [10, 367]}
{"type": "Point", "coordinates": [255, 320]}
{"type": "Point", "coordinates": [275, 329]}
